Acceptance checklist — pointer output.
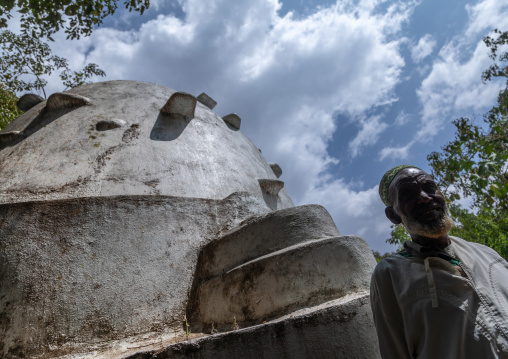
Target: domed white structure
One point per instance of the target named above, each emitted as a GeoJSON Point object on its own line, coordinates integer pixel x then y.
{"type": "Point", "coordinates": [125, 137]}
{"type": "Point", "coordinates": [110, 192]}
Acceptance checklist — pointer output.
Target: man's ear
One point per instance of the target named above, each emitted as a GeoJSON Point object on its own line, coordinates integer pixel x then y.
{"type": "Point", "coordinates": [392, 216]}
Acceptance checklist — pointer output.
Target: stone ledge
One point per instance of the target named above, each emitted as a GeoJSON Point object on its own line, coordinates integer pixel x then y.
{"type": "Point", "coordinates": [337, 329]}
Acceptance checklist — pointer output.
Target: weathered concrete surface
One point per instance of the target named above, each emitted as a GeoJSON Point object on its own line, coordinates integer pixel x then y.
{"type": "Point", "coordinates": [263, 235]}
{"type": "Point", "coordinates": [340, 329]}
{"type": "Point", "coordinates": [275, 264]}
{"type": "Point", "coordinates": [296, 277]}
{"type": "Point", "coordinates": [96, 269]}
{"type": "Point", "coordinates": [63, 155]}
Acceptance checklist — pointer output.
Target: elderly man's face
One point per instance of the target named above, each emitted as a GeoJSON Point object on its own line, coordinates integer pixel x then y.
{"type": "Point", "coordinates": [418, 204]}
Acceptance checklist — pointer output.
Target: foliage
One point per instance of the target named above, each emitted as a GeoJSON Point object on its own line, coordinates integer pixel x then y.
{"type": "Point", "coordinates": [25, 60]}
{"type": "Point", "coordinates": [379, 257]}
{"type": "Point", "coordinates": [493, 44]}
{"type": "Point", "coordinates": [8, 109]}
{"type": "Point", "coordinates": [186, 327]}
{"type": "Point", "coordinates": [72, 79]}
{"type": "Point", "coordinates": [485, 227]}
{"type": "Point", "coordinates": [475, 164]}
{"type": "Point", "coordinates": [42, 18]}
{"type": "Point", "coordinates": [398, 236]}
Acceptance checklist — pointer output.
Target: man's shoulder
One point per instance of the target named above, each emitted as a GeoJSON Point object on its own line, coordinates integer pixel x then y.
{"type": "Point", "coordinates": [394, 257]}
{"type": "Point", "coordinates": [471, 247]}
{"type": "Point", "coordinates": [391, 263]}
{"type": "Point", "coordinates": [463, 242]}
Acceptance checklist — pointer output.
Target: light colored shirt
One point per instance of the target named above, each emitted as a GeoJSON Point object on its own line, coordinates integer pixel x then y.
{"type": "Point", "coordinates": [430, 309]}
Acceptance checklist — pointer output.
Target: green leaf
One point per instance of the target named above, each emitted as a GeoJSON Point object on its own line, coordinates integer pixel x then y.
{"type": "Point", "coordinates": [71, 10]}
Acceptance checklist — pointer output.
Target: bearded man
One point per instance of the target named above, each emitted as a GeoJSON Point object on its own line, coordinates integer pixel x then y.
{"type": "Point", "coordinates": [441, 297]}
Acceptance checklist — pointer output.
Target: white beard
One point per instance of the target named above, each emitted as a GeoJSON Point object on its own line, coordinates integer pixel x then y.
{"type": "Point", "coordinates": [435, 229]}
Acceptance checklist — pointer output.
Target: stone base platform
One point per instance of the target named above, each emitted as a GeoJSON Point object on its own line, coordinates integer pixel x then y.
{"type": "Point", "coordinates": [336, 329]}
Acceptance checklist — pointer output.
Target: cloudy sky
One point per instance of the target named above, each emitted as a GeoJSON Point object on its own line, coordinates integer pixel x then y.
{"type": "Point", "coordinates": [335, 92]}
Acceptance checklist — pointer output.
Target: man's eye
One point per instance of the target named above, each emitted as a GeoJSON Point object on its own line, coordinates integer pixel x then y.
{"type": "Point", "coordinates": [430, 187]}
{"type": "Point", "coordinates": [404, 195]}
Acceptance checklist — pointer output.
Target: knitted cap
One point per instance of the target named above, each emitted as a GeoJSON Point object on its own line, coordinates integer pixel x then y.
{"type": "Point", "coordinates": [387, 179]}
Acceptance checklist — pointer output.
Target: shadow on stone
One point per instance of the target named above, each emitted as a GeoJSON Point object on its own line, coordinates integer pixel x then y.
{"type": "Point", "coordinates": [168, 128]}
{"type": "Point", "coordinates": [43, 119]}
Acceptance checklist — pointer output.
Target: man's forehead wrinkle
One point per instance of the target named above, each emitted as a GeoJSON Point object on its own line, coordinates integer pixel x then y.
{"type": "Point", "coordinates": [403, 184]}
{"type": "Point", "coordinates": [411, 176]}
{"type": "Point", "coordinates": [422, 177]}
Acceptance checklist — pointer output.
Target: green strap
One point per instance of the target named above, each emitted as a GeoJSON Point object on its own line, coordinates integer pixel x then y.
{"type": "Point", "coordinates": [404, 254]}
{"type": "Point", "coordinates": [453, 261]}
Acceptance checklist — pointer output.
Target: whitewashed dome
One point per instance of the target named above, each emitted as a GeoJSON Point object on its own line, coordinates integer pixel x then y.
{"type": "Point", "coordinates": [131, 138]}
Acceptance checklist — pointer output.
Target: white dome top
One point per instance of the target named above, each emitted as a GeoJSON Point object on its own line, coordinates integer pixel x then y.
{"type": "Point", "coordinates": [126, 138]}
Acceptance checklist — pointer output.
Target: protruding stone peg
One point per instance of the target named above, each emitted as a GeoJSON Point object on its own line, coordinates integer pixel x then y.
{"type": "Point", "coordinates": [9, 137]}
{"type": "Point", "coordinates": [271, 186]}
{"type": "Point", "coordinates": [27, 101]}
{"type": "Point", "coordinates": [233, 120]}
{"type": "Point", "coordinates": [276, 169]}
{"type": "Point", "coordinates": [207, 101]}
{"type": "Point", "coordinates": [111, 124]}
{"type": "Point", "coordinates": [180, 105]}
{"type": "Point", "coordinates": [60, 100]}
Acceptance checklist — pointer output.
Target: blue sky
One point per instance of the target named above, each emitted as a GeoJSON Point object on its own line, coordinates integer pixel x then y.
{"type": "Point", "coordinates": [335, 92]}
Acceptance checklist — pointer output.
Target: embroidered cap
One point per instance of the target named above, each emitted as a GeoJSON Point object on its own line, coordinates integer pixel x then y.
{"type": "Point", "coordinates": [387, 179]}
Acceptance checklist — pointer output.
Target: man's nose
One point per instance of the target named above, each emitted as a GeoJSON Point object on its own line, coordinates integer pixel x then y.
{"type": "Point", "coordinates": [424, 197]}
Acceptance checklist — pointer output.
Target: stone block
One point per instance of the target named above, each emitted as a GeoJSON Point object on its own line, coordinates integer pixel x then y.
{"type": "Point", "coordinates": [207, 101]}
{"type": "Point", "coordinates": [180, 105]}
{"type": "Point", "coordinates": [27, 101]}
{"type": "Point", "coordinates": [233, 120]}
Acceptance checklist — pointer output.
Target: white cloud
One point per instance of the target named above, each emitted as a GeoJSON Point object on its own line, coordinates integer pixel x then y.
{"type": "Point", "coordinates": [453, 86]}
{"type": "Point", "coordinates": [402, 118]}
{"type": "Point", "coordinates": [359, 213]}
{"type": "Point", "coordinates": [485, 16]}
{"type": "Point", "coordinates": [395, 153]}
{"type": "Point", "coordinates": [368, 135]}
{"type": "Point", "coordinates": [285, 76]}
{"type": "Point", "coordinates": [423, 49]}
